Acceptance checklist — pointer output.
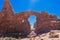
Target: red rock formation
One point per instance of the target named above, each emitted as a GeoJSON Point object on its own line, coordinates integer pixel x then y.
{"type": "Point", "coordinates": [10, 22]}
{"type": "Point", "coordinates": [45, 23]}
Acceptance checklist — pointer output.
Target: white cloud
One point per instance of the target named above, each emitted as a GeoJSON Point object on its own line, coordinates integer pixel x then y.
{"type": "Point", "coordinates": [32, 3]}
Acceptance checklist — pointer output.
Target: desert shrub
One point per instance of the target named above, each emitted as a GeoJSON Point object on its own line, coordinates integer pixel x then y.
{"type": "Point", "coordinates": [7, 38]}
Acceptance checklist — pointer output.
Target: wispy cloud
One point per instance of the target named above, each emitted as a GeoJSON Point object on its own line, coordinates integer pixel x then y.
{"type": "Point", "coordinates": [32, 3]}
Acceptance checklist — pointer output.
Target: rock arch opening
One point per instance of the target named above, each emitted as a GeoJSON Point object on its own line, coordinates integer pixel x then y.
{"type": "Point", "coordinates": [32, 20]}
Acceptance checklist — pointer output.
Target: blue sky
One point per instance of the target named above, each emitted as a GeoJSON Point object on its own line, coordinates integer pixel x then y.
{"type": "Point", "coordinates": [50, 6]}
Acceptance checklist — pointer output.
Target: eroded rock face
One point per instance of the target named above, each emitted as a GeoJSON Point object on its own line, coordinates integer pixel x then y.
{"type": "Point", "coordinates": [12, 23]}
{"type": "Point", "coordinates": [18, 23]}
{"type": "Point", "coordinates": [46, 22]}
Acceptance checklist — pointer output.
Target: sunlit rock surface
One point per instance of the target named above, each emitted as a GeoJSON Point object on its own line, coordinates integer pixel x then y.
{"type": "Point", "coordinates": [52, 35]}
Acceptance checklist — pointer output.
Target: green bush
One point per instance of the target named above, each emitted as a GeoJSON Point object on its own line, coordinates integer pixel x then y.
{"type": "Point", "coordinates": [7, 38]}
